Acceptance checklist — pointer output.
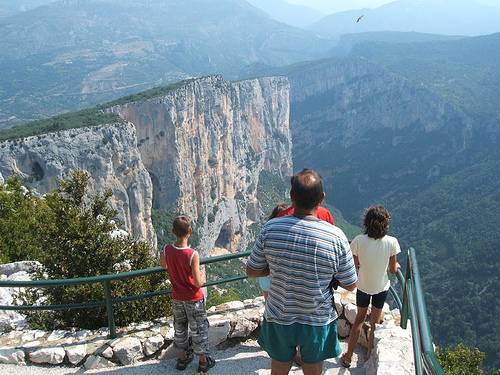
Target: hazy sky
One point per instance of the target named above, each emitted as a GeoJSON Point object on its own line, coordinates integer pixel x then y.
{"type": "Point", "coordinates": [332, 6]}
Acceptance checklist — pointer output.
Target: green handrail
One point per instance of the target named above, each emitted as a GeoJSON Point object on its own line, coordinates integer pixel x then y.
{"type": "Point", "coordinates": [414, 309]}
{"type": "Point", "coordinates": [411, 306]}
{"type": "Point", "coordinates": [106, 280]}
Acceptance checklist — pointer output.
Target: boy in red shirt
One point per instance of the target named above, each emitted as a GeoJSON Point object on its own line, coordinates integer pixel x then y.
{"type": "Point", "coordinates": [188, 301]}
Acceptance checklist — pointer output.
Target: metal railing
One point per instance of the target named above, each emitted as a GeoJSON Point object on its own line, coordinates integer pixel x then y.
{"type": "Point", "coordinates": [411, 306]}
{"type": "Point", "coordinates": [106, 280]}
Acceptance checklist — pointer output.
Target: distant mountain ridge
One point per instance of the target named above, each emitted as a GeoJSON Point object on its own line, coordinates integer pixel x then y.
{"type": "Point", "coordinates": [450, 17]}
{"type": "Point", "coordinates": [291, 14]}
{"type": "Point", "coordinates": [72, 54]}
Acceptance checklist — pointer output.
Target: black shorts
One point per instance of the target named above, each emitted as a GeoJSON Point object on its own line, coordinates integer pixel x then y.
{"type": "Point", "coordinates": [378, 300]}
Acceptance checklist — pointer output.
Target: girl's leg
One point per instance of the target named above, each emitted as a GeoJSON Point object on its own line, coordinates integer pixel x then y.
{"type": "Point", "coordinates": [374, 319]}
{"type": "Point", "coordinates": [355, 332]}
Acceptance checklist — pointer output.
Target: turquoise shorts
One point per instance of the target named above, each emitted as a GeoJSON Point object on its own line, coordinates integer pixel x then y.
{"type": "Point", "coordinates": [264, 283]}
{"type": "Point", "coordinates": [317, 343]}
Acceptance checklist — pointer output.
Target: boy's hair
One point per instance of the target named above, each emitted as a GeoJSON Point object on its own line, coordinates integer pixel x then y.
{"type": "Point", "coordinates": [376, 221]}
{"type": "Point", "coordinates": [181, 226]}
{"type": "Point", "coordinates": [307, 189]}
{"type": "Point", "coordinates": [277, 210]}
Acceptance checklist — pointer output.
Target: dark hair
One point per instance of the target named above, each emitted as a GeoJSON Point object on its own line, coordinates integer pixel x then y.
{"type": "Point", "coordinates": [181, 226]}
{"type": "Point", "coordinates": [376, 221]}
{"type": "Point", "coordinates": [307, 189]}
{"type": "Point", "coordinates": [277, 210]}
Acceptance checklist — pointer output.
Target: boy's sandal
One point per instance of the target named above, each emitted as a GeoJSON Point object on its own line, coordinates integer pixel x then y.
{"type": "Point", "coordinates": [204, 367]}
{"type": "Point", "coordinates": [344, 362]}
{"type": "Point", "coordinates": [182, 364]}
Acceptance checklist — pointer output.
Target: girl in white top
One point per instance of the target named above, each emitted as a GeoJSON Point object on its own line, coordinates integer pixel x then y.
{"type": "Point", "coordinates": [374, 254]}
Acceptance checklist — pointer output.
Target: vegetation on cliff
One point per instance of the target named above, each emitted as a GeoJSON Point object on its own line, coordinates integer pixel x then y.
{"type": "Point", "coordinates": [71, 233]}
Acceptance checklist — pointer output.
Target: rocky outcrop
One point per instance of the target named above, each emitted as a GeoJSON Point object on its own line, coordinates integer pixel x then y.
{"type": "Point", "coordinates": [198, 149]}
{"type": "Point", "coordinates": [205, 145]}
{"type": "Point", "coordinates": [108, 152]}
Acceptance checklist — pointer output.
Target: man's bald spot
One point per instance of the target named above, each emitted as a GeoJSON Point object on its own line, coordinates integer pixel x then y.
{"type": "Point", "coordinates": [307, 189]}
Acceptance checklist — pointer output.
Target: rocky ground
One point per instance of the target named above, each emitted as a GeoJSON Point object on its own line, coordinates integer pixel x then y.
{"type": "Point", "coordinates": [244, 358]}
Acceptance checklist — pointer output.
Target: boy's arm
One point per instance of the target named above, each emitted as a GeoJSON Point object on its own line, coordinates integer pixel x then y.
{"type": "Point", "coordinates": [356, 261]}
{"type": "Point", "coordinates": [393, 264]}
{"type": "Point", "coordinates": [163, 260]}
{"type": "Point", "coordinates": [199, 278]}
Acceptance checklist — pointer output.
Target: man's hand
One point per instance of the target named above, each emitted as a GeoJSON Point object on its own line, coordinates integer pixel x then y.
{"type": "Point", "coordinates": [257, 273]}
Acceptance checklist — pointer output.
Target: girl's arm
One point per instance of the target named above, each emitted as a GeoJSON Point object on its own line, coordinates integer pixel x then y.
{"type": "Point", "coordinates": [199, 278]}
{"type": "Point", "coordinates": [393, 264]}
{"type": "Point", "coordinates": [356, 261]}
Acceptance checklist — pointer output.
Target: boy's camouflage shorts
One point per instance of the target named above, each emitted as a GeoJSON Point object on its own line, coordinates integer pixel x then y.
{"type": "Point", "coordinates": [192, 315]}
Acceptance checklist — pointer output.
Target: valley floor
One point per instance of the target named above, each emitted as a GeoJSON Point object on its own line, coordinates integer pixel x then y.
{"type": "Point", "coordinates": [243, 359]}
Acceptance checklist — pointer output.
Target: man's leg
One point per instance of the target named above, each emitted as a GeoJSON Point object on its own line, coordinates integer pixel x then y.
{"type": "Point", "coordinates": [280, 368]}
{"type": "Point", "coordinates": [312, 368]}
{"type": "Point", "coordinates": [355, 332]}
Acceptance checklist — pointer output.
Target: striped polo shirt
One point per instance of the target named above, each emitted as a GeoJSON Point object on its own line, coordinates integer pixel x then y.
{"type": "Point", "coordinates": [303, 255]}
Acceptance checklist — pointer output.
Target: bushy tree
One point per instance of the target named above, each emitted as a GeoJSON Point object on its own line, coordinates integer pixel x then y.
{"type": "Point", "coordinates": [75, 240]}
{"type": "Point", "coordinates": [21, 215]}
{"type": "Point", "coordinates": [461, 360]}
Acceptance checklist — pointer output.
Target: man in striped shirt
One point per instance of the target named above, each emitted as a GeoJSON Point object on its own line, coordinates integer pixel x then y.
{"type": "Point", "coordinates": [302, 255]}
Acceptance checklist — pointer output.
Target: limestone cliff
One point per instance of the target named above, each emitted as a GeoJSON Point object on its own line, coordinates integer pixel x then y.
{"type": "Point", "coordinates": [205, 145]}
{"type": "Point", "coordinates": [198, 148]}
{"type": "Point", "coordinates": [108, 152]}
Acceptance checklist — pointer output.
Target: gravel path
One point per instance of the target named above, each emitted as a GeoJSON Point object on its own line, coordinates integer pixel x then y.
{"type": "Point", "coordinates": [243, 359]}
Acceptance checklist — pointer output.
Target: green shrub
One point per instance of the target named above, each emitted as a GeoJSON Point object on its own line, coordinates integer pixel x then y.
{"type": "Point", "coordinates": [460, 360]}
{"type": "Point", "coordinates": [75, 241]}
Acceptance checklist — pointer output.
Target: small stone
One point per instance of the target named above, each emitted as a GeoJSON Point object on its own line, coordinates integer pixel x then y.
{"type": "Point", "coordinates": [53, 356]}
{"type": "Point", "coordinates": [219, 331]}
{"type": "Point", "coordinates": [153, 344]}
{"type": "Point", "coordinates": [170, 352]}
{"type": "Point", "coordinates": [128, 350]}
{"type": "Point", "coordinates": [350, 311]}
{"type": "Point", "coordinates": [82, 334]}
{"type": "Point", "coordinates": [243, 328]}
{"type": "Point", "coordinates": [95, 362]}
{"type": "Point", "coordinates": [343, 328]}
{"type": "Point", "coordinates": [76, 353]}
{"type": "Point", "coordinates": [107, 352]}
{"type": "Point", "coordinates": [57, 335]}
{"type": "Point", "coordinates": [12, 356]}
{"type": "Point", "coordinates": [233, 305]}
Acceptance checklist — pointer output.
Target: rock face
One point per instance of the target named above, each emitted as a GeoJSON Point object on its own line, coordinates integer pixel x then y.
{"type": "Point", "coordinates": [109, 153]}
{"type": "Point", "coordinates": [205, 145]}
{"type": "Point", "coordinates": [200, 149]}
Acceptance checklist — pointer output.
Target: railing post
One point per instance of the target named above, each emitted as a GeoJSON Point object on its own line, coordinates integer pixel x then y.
{"type": "Point", "coordinates": [109, 309]}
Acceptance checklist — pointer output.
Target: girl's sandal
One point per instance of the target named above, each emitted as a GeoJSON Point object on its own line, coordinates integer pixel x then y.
{"type": "Point", "coordinates": [344, 362]}
{"type": "Point", "coordinates": [182, 364]}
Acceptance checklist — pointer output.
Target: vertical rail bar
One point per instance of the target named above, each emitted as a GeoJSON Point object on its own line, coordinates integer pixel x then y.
{"type": "Point", "coordinates": [109, 309]}
{"type": "Point", "coordinates": [415, 331]}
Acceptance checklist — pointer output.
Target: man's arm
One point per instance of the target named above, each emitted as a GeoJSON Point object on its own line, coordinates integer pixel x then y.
{"type": "Point", "coordinates": [199, 277]}
{"type": "Point", "coordinates": [257, 265]}
{"type": "Point", "coordinates": [257, 273]}
{"type": "Point", "coordinates": [346, 273]}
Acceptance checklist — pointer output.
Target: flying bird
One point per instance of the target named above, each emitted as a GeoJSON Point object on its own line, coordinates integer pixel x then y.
{"type": "Point", "coordinates": [360, 18]}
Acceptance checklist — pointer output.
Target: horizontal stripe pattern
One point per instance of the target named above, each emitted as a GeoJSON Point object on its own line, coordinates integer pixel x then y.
{"type": "Point", "coordinates": [303, 256]}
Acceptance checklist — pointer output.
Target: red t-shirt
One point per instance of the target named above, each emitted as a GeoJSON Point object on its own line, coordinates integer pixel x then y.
{"type": "Point", "coordinates": [322, 213]}
{"type": "Point", "coordinates": [181, 274]}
